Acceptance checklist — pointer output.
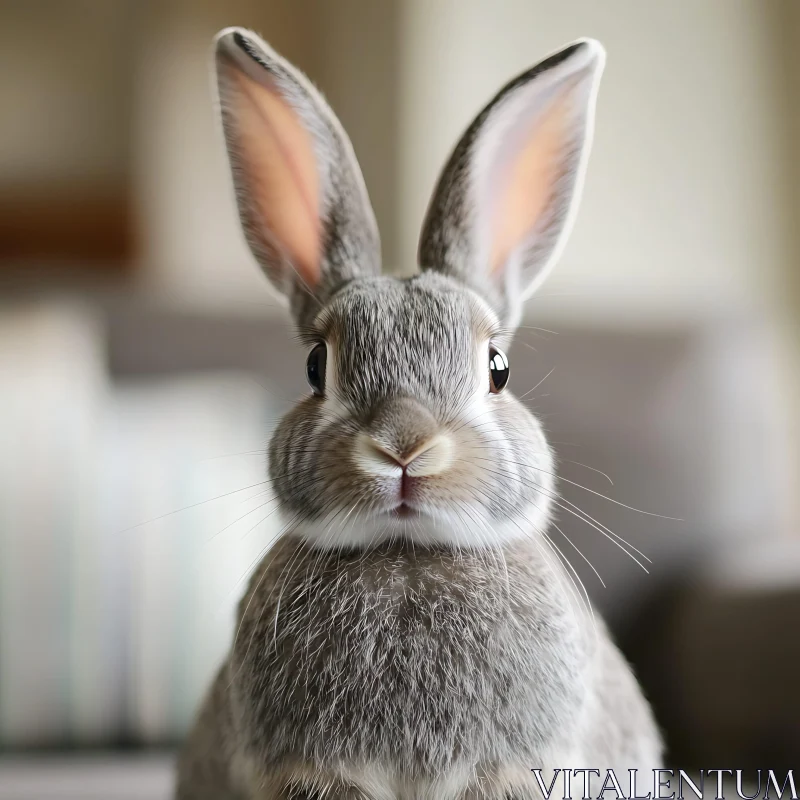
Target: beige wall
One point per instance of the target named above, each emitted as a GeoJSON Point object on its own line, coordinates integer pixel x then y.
{"type": "Point", "coordinates": [64, 91]}
{"type": "Point", "coordinates": [786, 23]}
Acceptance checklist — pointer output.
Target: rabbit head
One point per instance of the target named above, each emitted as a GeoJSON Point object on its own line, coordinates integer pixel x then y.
{"type": "Point", "coordinates": [409, 430]}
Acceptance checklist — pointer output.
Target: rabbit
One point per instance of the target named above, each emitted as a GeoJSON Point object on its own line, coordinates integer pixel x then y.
{"type": "Point", "coordinates": [408, 636]}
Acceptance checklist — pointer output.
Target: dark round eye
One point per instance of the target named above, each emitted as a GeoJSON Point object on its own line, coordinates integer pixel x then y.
{"type": "Point", "coordinates": [315, 368]}
{"type": "Point", "coordinates": [498, 370]}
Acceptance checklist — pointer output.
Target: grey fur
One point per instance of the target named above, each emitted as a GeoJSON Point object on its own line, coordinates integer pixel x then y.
{"type": "Point", "coordinates": [427, 663]}
{"type": "Point", "coordinates": [439, 657]}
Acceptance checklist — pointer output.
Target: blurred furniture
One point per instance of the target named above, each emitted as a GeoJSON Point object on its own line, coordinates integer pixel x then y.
{"type": "Point", "coordinates": [66, 145]}
{"type": "Point", "coordinates": [718, 655]}
{"type": "Point", "coordinates": [114, 611]}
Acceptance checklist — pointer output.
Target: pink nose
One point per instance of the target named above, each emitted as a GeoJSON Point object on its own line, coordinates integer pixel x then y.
{"type": "Point", "coordinates": [430, 457]}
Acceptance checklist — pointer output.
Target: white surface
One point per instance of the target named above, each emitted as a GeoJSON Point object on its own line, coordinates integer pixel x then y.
{"type": "Point", "coordinates": [129, 517]}
{"type": "Point", "coordinates": [87, 778]}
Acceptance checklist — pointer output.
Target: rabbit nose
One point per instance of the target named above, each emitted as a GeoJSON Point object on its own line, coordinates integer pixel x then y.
{"type": "Point", "coordinates": [429, 457]}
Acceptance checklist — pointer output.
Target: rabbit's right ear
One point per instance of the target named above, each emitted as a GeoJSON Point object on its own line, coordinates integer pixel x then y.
{"type": "Point", "coordinates": [301, 196]}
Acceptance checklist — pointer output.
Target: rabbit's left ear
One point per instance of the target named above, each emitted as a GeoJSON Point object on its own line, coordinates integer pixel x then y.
{"type": "Point", "coordinates": [504, 203]}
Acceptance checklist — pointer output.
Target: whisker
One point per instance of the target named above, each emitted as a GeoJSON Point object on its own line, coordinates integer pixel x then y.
{"type": "Point", "coordinates": [572, 572]}
{"type": "Point", "coordinates": [239, 519]}
{"type": "Point", "coordinates": [580, 553]}
{"type": "Point", "coordinates": [193, 505]}
{"type": "Point", "coordinates": [233, 455]}
{"type": "Point", "coordinates": [580, 514]}
{"type": "Point", "coordinates": [523, 396]}
{"type": "Point", "coordinates": [534, 328]}
{"type": "Point", "coordinates": [586, 466]}
{"type": "Point", "coordinates": [591, 491]}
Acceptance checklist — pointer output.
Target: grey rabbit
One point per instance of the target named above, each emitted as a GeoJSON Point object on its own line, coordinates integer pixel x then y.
{"type": "Point", "coordinates": [409, 636]}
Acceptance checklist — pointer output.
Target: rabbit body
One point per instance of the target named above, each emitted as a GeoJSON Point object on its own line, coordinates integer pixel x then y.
{"type": "Point", "coordinates": [416, 674]}
{"type": "Point", "coordinates": [412, 635]}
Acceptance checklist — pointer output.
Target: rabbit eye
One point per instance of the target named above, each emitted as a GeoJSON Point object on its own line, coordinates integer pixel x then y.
{"type": "Point", "coordinates": [498, 370]}
{"type": "Point", "coordinates": [315, 368]}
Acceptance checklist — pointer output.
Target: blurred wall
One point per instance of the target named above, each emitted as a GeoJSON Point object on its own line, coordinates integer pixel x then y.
{"type": "Point", "coordinates": [65, 140]}
{"type": "Point", "coordinates": [786, 21]}
{"type": "Point", "coordinates": [65, 90]}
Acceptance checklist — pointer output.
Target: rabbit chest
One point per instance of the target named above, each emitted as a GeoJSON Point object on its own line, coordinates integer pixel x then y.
{"type": "Point", "coordinates": [419, 659]}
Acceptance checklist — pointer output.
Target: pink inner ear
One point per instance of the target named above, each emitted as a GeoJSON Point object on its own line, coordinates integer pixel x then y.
{"type": "Point", "coordinates": [529, 179]}
{"type": "Point", "coordinates": [278, 163]}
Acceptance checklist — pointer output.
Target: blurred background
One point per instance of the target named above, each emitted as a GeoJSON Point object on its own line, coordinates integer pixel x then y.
{"type": "Point", "coordinates": [143, 360]}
